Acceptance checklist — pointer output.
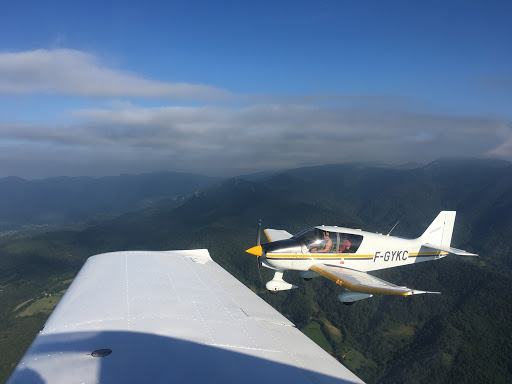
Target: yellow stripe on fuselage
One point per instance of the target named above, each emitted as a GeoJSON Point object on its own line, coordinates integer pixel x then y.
{"type": "Point", "coordinates": [428, 253]}
{"type": "Point", "coordinates": [315, 256]}
{"type": "Point", "coordinates": [340, 255]}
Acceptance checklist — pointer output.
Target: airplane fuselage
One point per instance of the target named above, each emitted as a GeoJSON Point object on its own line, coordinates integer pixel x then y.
{"type": "Point", "coordinates": [373, 251]}
{"type": "Point", "coordinates": [345, 255]}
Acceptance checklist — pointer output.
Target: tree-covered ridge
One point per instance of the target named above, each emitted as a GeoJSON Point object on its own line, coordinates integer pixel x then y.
{"type": "Point", "coordinates": [462, 335]}
{"type": "Point", "coordinates": [63, 200]}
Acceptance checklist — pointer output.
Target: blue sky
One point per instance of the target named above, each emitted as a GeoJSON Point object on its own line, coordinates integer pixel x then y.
{"type": "Point", "coordinates": [224, 88]}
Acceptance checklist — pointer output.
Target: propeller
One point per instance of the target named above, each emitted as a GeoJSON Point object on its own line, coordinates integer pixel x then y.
{"type": "Point", "coordinates": [258, 242]}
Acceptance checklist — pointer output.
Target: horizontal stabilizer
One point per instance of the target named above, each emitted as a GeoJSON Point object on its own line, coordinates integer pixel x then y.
{"type": "Point", "coordinates": [277, 234]}
{"type": "Point", "coordinates": [451, 250]}
{"type": "Point", "coordinates": [357, 281]}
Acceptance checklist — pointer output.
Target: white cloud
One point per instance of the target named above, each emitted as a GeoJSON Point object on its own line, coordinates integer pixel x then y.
{"type": "Point", "coordinates": [232, 141]}
{"type": "Point", "coordinates": [268, 132]}
{"type": "Point", "coordinates": [72, 72]}
{"type": "Point", "coordinates": [503, 151]}
{"type": "Point", "coordinates": [504, 148]}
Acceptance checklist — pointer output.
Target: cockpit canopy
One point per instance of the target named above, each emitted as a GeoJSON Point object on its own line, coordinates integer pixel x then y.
{"type": "Point", "coordinates": [318, 240]}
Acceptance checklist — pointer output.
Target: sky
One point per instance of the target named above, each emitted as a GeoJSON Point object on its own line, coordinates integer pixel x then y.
{"type": "Point", "coordinates": [225, 88]}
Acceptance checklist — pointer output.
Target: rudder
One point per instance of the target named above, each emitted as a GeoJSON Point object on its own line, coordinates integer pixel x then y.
{"type": "Point", "coordinates": [441, 229]}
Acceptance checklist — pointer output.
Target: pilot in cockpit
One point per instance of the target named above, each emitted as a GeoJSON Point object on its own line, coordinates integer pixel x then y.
{"type": "Point", "coordinates": [322, 244]}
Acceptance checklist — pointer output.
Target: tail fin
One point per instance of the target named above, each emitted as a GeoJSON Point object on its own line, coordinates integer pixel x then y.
{"type": "Point", "coordinates": [441, 229]}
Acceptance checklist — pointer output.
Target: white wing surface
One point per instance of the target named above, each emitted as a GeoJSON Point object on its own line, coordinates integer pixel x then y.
{"type": "Point", "coordinates": [169, 317]}
{"type": "Point", "coordinates": [357, 281]}
{"type": "Point", "coordinates": [277, 234]}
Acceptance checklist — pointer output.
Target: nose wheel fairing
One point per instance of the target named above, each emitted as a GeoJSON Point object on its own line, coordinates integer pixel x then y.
{"type": "Point", "coordinates": [278, 284]}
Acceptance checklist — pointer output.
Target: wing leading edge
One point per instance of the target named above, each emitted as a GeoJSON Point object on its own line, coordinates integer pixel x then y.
{"type": "Point", "coordinates": [357, 281]}
{"type": "Point", "coordinates": [170, 317]}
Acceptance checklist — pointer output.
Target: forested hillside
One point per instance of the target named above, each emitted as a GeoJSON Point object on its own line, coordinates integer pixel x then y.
{"type": "Point", "coordinates": [460, 336]}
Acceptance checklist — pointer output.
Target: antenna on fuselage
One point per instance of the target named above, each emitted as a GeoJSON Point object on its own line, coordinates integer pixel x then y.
{"type": "Point", "coordinates": [258, 236]}
{"type": "Point", "coordinates": [393, 228]}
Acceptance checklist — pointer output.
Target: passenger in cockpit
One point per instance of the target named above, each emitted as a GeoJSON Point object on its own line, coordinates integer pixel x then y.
{"type": "Point", "coordinates": [345, 244]}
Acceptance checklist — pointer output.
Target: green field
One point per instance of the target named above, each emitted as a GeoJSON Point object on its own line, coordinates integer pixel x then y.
{"type": "Point", "coordinates": [334, 332]}
{"type": "Point", "coordinates": [355, 360]}
{"type": "Point", "coordinates": [314, 332]}
{"type": "Point", "coordinates": [22, 304]}
{"type": "Point", "coordinates": [44, 305]}
{"type": "Point", "coordinates": [398, 330]}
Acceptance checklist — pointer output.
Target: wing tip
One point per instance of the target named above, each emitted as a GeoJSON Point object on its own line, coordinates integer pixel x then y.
{"type": "Point", "coordinates": [417, 292]}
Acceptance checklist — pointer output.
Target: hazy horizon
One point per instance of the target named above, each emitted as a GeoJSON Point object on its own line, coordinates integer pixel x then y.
{"type": "Point", "coordinates": [406, 165]}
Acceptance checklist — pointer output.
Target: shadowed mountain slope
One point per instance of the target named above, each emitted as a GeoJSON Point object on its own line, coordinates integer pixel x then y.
{"type": "Point", "coordinates": [63, 200]}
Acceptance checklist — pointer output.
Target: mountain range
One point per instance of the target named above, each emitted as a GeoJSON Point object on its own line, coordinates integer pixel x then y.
{"type": "Point", "coordinates": [460, 336]}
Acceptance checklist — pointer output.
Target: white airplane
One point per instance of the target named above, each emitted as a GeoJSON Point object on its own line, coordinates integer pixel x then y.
{"type": "Point", "coordinates": [169, 317]}
{"type": "Point", "coordinates": [344, 255]}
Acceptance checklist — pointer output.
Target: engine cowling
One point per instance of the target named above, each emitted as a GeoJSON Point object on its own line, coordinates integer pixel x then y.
{"type": "Point", "coordinates": [350, 297]}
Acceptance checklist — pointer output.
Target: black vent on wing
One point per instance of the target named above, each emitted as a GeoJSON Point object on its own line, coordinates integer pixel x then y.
{"type": "Point", "coordinates": [101, 352]}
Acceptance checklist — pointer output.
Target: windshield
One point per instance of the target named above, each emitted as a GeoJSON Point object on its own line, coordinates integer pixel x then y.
{"type": "Point", "coordinates": [316, 240]}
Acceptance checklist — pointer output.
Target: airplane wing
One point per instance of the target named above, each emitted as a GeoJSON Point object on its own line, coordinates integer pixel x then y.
{"type": "Point", "coordinates": [357, 281]}
{"type": "Point", "coordinates": [451, 250]}
{"type": "Point", "coordinates": [277, 234]}
{"type": "Point", "coordinates": [161, 317]}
